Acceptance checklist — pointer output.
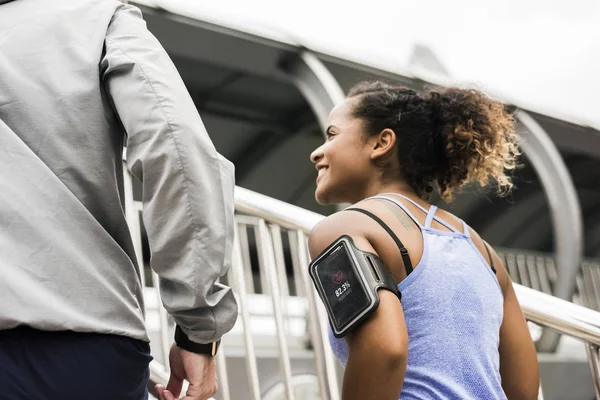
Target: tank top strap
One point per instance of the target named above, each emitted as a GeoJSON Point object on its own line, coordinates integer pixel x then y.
{"type": "Point", "coordinates": [446, 224]}
{"type": "Point", "coordinates": [466, 230]}
{"type": "Point", "coordinates": [403, 207]}
{"type": "Point", "coordinates": [430, 216]}
{"type": "Point", "coordinates": [403, 252]}
{"type": "Point", "coordinates": [408, 199]}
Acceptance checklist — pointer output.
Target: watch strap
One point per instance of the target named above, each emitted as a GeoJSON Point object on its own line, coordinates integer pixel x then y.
{"type": "Point", "coordinates": [184, 342]}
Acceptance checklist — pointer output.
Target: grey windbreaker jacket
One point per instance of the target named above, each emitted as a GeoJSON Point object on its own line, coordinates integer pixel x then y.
{"type": "Point", "coordinates": [78, 80]}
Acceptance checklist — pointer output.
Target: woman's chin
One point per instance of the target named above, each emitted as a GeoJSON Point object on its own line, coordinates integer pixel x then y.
{"type": "Point", "coordinates": [320, 200]}
{"type": "Point", "coordinates": [326, 197]}
{"type": "Point", "coordinates": [321, 196]}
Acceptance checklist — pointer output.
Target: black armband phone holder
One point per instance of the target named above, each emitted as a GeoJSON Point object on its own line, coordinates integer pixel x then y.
{"type": "Point", "coordinates": [347, 280]}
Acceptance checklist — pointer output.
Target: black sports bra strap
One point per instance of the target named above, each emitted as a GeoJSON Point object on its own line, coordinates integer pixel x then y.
{"type": "Point", "coordinates": [490, 257]}
{"type": "Point", "coordinates": [403, 252]}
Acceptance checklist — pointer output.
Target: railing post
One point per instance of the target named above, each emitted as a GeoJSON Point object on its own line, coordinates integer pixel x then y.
{"type": "Point", "coordinates": [324, 360]}
{"type": "Point", "coordinates": [296, 265]}
{"type": "Point", "coordinates": [261, 242]}
{"type": "Point", "coordinates": [242, 238]}
{"type": "Point", "coordinates": [237, 270]}
{"type": "Point", "coordinates": [592, 353]}
{"type": "Point", "coordinates": [268, 257]}
{"type": "Point", "coordinates": [279, 259]}
{"type": "Point", "coordinates": [222, 374]}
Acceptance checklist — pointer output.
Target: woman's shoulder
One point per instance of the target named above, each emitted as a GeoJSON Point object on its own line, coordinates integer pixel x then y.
{"type": "Point", "coordinates": [331, 228]}
{"type": "Point", "coordinates": [344, 222]}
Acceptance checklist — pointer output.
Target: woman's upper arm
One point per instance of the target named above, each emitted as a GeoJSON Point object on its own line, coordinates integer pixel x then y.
{"type": "Point", "coordinates": [381, 342]}
{"type": "Point", "coordinates": [518, 358]}
{"type": "Point", "coordinates": [378, 354]}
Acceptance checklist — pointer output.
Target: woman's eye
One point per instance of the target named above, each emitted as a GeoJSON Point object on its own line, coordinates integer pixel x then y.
{"type": "Point", "coordinates": [329, 135]}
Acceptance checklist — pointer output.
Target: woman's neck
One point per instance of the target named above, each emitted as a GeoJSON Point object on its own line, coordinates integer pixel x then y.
{"type": "Point", "coordinates": [399, 187]}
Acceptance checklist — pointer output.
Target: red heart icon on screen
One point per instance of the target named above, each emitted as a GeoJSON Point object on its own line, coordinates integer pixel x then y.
{"type": "Point", "coordinates": [337, 278]}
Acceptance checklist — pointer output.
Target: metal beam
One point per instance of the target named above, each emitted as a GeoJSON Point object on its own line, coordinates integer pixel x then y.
{"type": "Point", "coordinates": [592, 235]}
{"type": "Point", "coordinates": [250, 113]}
{"type": "Point", "coordinates": [248, 157]}
{"type": "Point", "coordinates": [205, 94]}
{"type": "Point", "coordinates": [257, 114]}
{"type": "Point", "coordinates": [294, 123]}
{"type": "Point", "coordinates": [315, 82]}
{"type": "Point", "coordinates": [565, 210]}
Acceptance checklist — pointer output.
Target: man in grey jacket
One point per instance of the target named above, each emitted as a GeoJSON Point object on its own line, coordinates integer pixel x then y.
{"type": "Point", "coordinates": [78, 81]}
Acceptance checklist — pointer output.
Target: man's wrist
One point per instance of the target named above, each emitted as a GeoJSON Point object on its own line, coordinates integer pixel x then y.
{"type": "Point", "coordinates": [183, 341]}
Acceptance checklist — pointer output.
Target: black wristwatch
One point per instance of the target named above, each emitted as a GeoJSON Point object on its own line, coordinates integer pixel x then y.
{"type": "Point", "coordinates": [184, 342]}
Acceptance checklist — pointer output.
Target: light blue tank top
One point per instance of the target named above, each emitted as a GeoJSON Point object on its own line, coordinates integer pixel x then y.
{"type": "Point", "coordinates": [453, 306]}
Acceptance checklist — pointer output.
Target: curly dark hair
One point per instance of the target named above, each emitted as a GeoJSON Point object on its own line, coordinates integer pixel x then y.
{"type": "Point", "coordinates": [446, 137]}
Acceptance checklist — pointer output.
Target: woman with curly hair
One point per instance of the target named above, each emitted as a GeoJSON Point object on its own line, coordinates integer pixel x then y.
{"type": "Point", "coordinates": [458, 332]}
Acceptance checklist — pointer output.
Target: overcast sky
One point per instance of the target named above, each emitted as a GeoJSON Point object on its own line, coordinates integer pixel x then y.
{"type": "Point", "coordinates": [543, 54]}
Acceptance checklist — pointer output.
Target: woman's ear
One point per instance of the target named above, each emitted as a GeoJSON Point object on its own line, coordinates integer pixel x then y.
{"type": "Point", "coordinates": [383, 144]}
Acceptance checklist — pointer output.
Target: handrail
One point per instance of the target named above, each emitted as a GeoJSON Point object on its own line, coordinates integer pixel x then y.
{"type": "Point", "coordinates": [275, 211]}
{"type": "Point", "coordinates": [540, 308]}
{"type": "Point", "coordinates": [563, 316]}
{"type": "Point", "coordinates": [560, 315]}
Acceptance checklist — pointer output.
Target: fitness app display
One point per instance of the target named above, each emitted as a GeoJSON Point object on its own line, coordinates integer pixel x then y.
{"type": "Point", "coordinates": [345, 295]}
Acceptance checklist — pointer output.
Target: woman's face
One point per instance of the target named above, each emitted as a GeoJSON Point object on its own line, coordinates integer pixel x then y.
{"type": "Point", "coordinates": [343, 161]}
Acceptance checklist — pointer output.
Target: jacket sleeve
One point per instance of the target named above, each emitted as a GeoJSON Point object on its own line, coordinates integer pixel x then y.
{"type": "Point", "coordinates": [187, 186]}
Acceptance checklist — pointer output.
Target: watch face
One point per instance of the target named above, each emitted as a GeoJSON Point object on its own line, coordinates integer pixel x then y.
{"type": "Point", "coordinates": [345, 293]}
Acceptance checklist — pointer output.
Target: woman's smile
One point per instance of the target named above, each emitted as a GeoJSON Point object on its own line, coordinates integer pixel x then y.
{"type": "Point", "coordinates": [321, 171]}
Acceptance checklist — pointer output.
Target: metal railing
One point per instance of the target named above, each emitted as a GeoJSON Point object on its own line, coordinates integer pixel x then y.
{"type": "Point", "coordinates": [539, 271]}
{"type": "Point", "coordinates": [270, 256]}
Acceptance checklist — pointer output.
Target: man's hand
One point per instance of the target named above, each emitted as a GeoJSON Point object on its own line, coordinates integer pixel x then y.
{"type": "Point", "coordinates": [198, 369]}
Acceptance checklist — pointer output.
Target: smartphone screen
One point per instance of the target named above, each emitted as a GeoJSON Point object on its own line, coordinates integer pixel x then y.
{"type": "Point", "coordinates": [344, 291]}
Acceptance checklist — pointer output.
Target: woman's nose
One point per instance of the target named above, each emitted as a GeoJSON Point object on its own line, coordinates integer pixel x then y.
{"type": "Point", "coordinates": [316, 155]}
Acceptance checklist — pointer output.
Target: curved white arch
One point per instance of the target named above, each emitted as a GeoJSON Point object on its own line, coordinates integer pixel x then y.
{"type": "Point", "coordinates": [565, 210]}
{"type": "Point", "coordinates": [316, 83]}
